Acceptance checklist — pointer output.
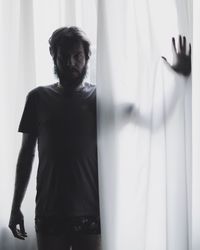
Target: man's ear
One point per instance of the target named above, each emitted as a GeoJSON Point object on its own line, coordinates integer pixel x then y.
{"type": "Point", "coordinates": [51, 52]}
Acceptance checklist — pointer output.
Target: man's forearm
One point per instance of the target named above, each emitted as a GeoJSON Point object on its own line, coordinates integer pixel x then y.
{"type": "Point", "coordinates": [23, 171]}
{"type": "Point", "coordinates": [164, 107]}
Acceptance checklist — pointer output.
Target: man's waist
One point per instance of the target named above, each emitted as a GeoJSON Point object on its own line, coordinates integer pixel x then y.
{"type": "Point", "coordinates": [73, 224]}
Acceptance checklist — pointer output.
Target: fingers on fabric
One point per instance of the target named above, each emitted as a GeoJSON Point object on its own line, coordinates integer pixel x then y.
{"type": "Point", "coordinates": [166, 62]}
{"type": "Point", "coordinates": [182, 45]}
{"type": "Point", "coordinates": [180, 49]}
{"type": "Point", "coordinates": [174, 45]}
{"type": "Point", "coordinates": [190, 49]}
{"type": "Point", "coordinates": [185, 49]}
{"type": "Point", "coordinates": [164, 58]}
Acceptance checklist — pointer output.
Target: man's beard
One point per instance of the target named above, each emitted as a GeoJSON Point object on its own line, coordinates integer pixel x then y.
{"type": "Point", "coordinates": [67, 80]}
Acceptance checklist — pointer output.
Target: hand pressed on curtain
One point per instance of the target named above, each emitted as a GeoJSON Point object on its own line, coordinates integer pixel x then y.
{"type": "Point", "coordinates": [181, 57]}
{"type": "Point", "coordinates": [181, 65]}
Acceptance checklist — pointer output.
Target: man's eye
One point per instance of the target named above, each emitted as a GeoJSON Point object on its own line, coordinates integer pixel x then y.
{"type": "Point", "coordinates": [79, 56]}
{"type": "Point", "coordinates": [61, 58]}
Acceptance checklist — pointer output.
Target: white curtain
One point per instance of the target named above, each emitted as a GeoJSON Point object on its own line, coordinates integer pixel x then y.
{"type": "Point", "coordinates": [144, 118]}
{"type": "Point", "coordinates": [144, 115]}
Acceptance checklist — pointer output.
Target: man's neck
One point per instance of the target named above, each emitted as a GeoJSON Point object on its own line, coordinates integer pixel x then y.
{"type": "Point", "coordinates": [69, 88]}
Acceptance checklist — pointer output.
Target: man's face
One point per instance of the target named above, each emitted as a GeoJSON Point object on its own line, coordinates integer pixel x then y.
{"type": "Point", "coordinates": [70, 64]}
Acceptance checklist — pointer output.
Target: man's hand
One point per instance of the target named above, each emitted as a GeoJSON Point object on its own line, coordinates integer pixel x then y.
{"type": "Point", "coordinates": [181, 57]}
{"type": "Point", "coordinates": [17, 218]}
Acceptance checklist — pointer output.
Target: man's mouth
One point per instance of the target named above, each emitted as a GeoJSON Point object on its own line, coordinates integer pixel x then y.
{"type": "Point", "coordinates": [73, 71]}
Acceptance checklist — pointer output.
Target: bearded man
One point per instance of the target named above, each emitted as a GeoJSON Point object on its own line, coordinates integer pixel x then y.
{"type": "Point", "coordinates": [62, 118]}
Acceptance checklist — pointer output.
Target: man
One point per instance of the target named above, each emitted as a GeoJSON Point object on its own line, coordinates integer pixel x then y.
{"type": "Point", "coordinates": [62, 118]}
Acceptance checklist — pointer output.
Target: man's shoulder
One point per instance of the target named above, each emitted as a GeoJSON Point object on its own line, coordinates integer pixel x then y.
{"type": "Point", "coordinates": [89, 85]}
{"type": "Point", "coordinates": [41, 89]}
{"type": "Point", "coordinates": [90, 88]}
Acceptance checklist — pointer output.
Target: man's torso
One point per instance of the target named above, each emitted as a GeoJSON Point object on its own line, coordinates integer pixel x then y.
{"type": "Point", "coordinates": [67, 178]}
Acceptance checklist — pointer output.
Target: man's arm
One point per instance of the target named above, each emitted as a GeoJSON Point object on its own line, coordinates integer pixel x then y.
{"type": "Point", "coordinates": [181, 66]}
{"type": "Point", "coordinates": [23, 171]}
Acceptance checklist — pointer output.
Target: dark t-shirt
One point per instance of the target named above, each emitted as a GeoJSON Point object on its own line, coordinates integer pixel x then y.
{"type": "Point", "coordinates": [65, 124]}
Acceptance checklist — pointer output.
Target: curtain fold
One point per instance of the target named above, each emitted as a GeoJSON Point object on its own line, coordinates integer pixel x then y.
{"type": "Point", "coordinates": [17, 77]}
{"type": "Point", "coordinates": [195, 129]}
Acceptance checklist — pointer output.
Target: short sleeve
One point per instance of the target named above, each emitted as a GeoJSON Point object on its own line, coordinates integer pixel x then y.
{"type": "Point", "coordinates": [28, 123]}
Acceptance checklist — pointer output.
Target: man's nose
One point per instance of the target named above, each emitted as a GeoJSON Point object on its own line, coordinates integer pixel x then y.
{"type": "Point", "coordinates": [71, 61]}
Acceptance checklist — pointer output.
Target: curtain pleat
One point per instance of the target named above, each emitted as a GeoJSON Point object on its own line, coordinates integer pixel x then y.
{"type": "Point", "coordinates": [195, 129]}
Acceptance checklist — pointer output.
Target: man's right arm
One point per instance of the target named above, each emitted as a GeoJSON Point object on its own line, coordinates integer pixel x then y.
{"type": "Point", "coordinates": [23, 171]}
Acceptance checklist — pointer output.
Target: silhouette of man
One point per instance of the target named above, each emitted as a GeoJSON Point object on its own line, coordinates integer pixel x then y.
{"type": "Point", "coordinates": [61, 117]}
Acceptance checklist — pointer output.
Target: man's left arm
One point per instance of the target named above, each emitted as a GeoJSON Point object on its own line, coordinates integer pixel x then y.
{"type": "Point", "coordinates": [181, 66]}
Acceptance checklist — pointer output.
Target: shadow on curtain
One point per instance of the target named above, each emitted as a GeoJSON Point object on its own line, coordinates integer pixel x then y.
{"type": "Point", "coordinates": [145, 159]}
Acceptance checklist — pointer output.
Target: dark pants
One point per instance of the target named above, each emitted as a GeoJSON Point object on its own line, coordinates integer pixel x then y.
{"type": "Point", "coordinates": [81, 233]}
{"type": "Point", "coordinates": [67, 242]}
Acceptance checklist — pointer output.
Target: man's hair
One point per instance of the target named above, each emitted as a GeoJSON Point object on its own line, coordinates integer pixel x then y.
{"type": "Point", "coordinates": [71, 35]}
